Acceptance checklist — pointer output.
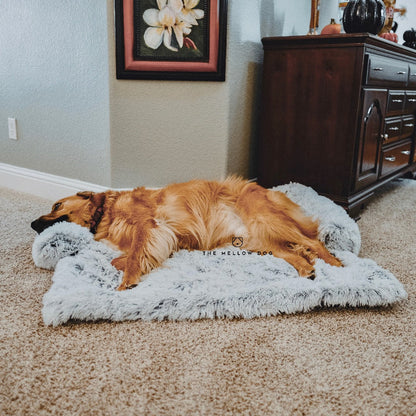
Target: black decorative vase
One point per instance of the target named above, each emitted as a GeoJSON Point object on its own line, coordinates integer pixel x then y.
{"type": "Point", "coordinates": [410, 38]}
{"type": "Point", "coordinates": [364, 16]}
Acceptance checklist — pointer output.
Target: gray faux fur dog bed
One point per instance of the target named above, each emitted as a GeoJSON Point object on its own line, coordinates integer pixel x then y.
{"type": "Point", "coordinates": [225, 282]}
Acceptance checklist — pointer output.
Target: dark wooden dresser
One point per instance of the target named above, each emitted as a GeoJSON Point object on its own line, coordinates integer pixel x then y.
{"type": "Point", "coordinates": [338, 114]}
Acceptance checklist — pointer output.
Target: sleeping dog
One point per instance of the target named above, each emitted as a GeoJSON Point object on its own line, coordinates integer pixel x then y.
{"type": "Point", "coordinates": [148, 225]}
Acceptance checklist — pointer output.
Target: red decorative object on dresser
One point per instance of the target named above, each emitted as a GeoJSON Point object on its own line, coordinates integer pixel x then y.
{"type": "Point", "coordinates": [338, 114]}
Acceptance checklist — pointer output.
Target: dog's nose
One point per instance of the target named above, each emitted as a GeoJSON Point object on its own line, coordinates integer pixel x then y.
{"type": "Point", "coordinates": [37, 226]}
{"type": "Point", "coordinates": [41, 223]}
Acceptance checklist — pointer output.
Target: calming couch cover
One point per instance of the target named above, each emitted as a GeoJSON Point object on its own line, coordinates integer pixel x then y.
{"type": "Point", "coordinates": [226, 282]}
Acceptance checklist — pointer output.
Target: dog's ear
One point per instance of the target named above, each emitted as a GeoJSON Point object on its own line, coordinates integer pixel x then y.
{"type": "Point", "coordinates": [98, 199]}
{"type": "Point", "coordinates": [85, 194]}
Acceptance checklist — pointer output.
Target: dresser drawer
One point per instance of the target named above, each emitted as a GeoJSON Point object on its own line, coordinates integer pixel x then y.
{"type": "Point", "coordinates": [410, 103]}
{"type": "Point", "coordinates": [392, 129]}
{"type": "Point", "coordinates": [386, 71]}
{"type": "Point", "coordinates": [395, 158]}
{"type": "Point", "coordinates": [395, 102]}
{"type": "Point", "coordinates": [412, 76]}
{"type": "Point", "coordinates": [408, 127]}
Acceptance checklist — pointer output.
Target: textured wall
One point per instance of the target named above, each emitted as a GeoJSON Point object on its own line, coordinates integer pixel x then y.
{"type": "Point", "coordinates": [249, 21]}
{"type": "Point", "coordinates": [175, 131]}
{"type": "Point", "coordinates": [54, 81]}
{"type": "Point", "coordinates": [165, 131]}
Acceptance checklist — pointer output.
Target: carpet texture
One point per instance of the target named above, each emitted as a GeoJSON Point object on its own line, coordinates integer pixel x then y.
{"type": "Point", "coordinates": [223, 283]}
{"type": "Point", "coordinates": [343, 361]}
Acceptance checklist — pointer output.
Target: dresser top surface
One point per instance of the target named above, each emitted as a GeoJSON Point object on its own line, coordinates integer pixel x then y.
{"type": "Point", "coordinates": [339, 40]}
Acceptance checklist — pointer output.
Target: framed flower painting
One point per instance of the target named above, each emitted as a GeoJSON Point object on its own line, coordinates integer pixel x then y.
{"type": "Point", "coordinates": [171, 39]}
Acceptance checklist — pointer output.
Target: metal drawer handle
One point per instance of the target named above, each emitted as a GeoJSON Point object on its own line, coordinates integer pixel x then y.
{"type": "Point", "coordinates": [394, 128]}
{"type": "Point", "coordinates": [412, 100]}
{"type": "Point", "coordinates": [378, 69]}
{"type": "Point", "coordinates": [406, 152]}
{"type": "Point", "coordinates": [396, 100]}
{"type": "Point", "coordinates": [409, 125]}
{"type": "Point", "coordinates": [390, 158]}
{"type": "Point", "coordinates": [401, 72]}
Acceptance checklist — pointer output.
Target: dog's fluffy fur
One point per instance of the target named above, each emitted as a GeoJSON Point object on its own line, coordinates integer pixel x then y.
{"type": "Point", "coordinates": [148, 225]}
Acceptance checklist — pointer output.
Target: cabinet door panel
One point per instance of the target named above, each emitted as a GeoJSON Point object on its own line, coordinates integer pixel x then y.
{"type": "Point", "coordinates": [373, 112]}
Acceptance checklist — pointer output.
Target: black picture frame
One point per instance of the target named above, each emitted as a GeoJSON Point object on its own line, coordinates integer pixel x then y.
{"type": "Point", "coordinates": [130, 65]}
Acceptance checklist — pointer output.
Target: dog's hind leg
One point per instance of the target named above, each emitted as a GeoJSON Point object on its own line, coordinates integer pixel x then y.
{"type": "Point", "coordinates": [274, 221]}
{"type": "Point", "coordinates": [303, 265]}
{"type": "Point", "coordinates": [317, 249]}
{"type": "Point", "coordinates": [313, 249]}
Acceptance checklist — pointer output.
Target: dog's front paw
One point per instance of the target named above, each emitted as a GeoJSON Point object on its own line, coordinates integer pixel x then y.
{"type": "Point", "coordinates": [308, 273]}
{"type": "Point", "coordinates": [311, 275]}
{"type": "Point", "coordinates": [125, 286]}
{"type": "Point", "coordinates": [128, 282]}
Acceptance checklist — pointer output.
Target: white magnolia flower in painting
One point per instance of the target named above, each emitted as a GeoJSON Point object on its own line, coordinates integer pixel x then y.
{"type": "Point", "coordinates": [172, 17]}
{"type": "Point", "coordinates": [181, 28]}
{"type": "Point", "coordinates": [189, 14]}
{"type": "Point", "coordinates": [162, 23]}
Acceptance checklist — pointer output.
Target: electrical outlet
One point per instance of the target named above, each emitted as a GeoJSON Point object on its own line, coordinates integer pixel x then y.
{"type": "Point", "coordinates": [12, 128]}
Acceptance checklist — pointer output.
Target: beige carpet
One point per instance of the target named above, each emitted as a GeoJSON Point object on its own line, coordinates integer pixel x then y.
{"type": "Point", "coordinates": [328, 362]}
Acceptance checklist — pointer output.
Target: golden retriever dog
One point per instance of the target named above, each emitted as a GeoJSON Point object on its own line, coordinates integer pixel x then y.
{"type": "Point", "coordinates": [148, 225]}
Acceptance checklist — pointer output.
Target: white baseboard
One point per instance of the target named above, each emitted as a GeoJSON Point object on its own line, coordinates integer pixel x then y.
{"type": "Point", "coordinates": [42, 184]}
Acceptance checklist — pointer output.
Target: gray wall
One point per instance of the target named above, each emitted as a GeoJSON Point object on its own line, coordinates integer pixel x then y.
{"type": "Point", "coordinates": [408, 21]}
{"type": "Point", "coordinates": [57, 77]}
{"type": "Point", "coordinates": [54, 81]}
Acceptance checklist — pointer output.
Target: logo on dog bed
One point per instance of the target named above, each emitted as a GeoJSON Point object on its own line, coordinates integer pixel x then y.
{"type": "Point", "coordinates": [238, 241]}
